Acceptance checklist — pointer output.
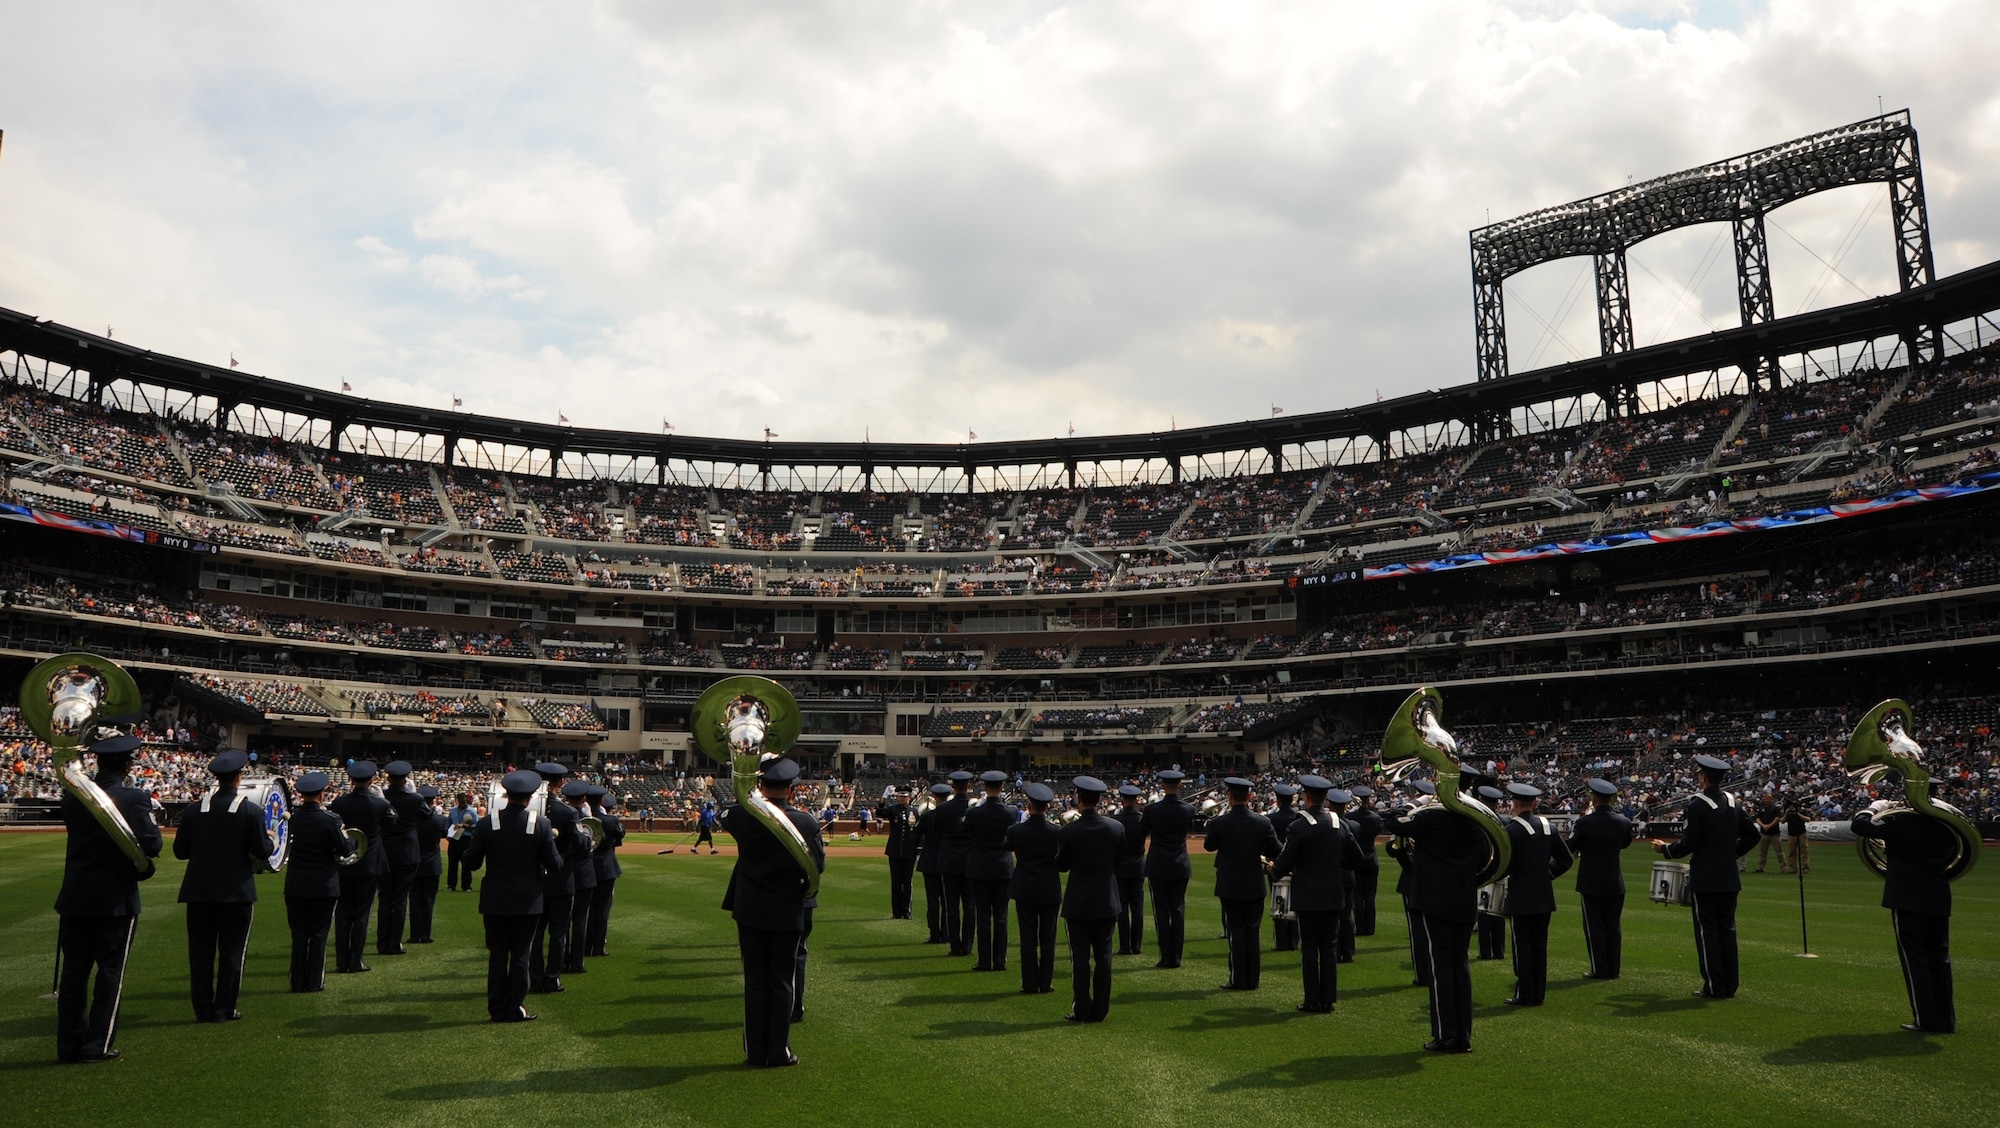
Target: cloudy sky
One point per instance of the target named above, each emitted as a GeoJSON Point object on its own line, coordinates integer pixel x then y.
{"type": "Point", "coordinates": [916, 218]}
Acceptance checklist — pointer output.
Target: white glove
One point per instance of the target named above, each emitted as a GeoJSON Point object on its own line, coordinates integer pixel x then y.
{"type": "Point", "coordinates": [1878, 806]}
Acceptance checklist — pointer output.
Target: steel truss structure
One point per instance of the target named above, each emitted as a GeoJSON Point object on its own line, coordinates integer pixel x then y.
{"type": "Point", "coordinates": [1739, 191]}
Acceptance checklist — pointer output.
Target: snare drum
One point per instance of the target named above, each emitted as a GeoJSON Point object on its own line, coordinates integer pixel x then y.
{"type": "Point", "coordinates": [1493, 898]}
{"type": "Point", "coordinates": [1670, 884]}
{"type": "Point", "coordinates": [274, 803]}
{"type": "Point", "coordinates": [1281, 900]}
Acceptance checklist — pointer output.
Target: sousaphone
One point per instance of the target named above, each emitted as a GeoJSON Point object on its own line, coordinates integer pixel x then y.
{"type": "Point", "coordinates": [62, 699]}
{"type": "Point", "coordinates": [743, 721]}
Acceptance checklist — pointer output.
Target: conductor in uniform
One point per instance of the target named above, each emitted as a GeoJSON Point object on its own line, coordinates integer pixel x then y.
{"type": "Point", "coordinates": [1598, 839]}
{"type": "Point", "coordinates": [432, 826]}
{"type": "Point", "coordinates": [99, 905]}
{"type": "Point", "coordinates": [1131, 873]}
{"type": "Point", "coordinates": [767, 898]}
{"type": "Point", "coordinates": [312, 880]}
{"type": "Point", "coordinates": [1448, 851]}
{"type": "Point", "coordinates": [1717, 832]}
{"type": "Point", "coordinates": [1367, 827]}
{"type": "Point", "coordinates": [1319, 852]}
{"type": "Point", "coordinates": [517, 849]}
{"type": "Point", "coordinates": [1036, 890]}
{"type": "Point", "coordinates": [988, 869]}
{"type": "Point", "coordinates": [363, 810]}
{"type": "Point", "coordinates": [901, 850]}
{"type": "Point", "coordinates": [218, 837]}
{"type": "Point", "coordinates": [1087, 850]}
{"type": "Point", "coordinates": [951, 864]}
{"type": "Point", "coordinates": [930, 860]}
{"type": "Point", "coordinates": [1166, 824]}
{"type": "Point", "coordinates": [404, 856]}
{"type": "Point", "coordinates": [1241, 841]}
{"type": "Point", "coordinates": [1284, 933]}
{"type": "Point", "coordinates": [1540, 856]}
{"type": "Point", "coordinates": [1917, 892]}
{"type": "Point", "coordinates": [604, 856]}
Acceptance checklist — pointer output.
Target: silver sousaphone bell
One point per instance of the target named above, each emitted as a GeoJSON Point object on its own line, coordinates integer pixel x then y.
{"type": "Point", "coordinates": [62, 699]}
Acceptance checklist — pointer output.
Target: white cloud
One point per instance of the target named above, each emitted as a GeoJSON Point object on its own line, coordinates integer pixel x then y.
{"type": "Point", "coordinates": [917, 218]}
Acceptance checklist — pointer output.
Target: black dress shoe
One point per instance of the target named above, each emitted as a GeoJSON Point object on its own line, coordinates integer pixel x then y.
{"type": "Point", "coordinates": [420, 939]}
{"type": "Point", "coordinates": [98, 1059]}
{"type": "Point", "coordinates": [232, 1016]}
{"type": "Point", "coordinates": [547, 989]}
{"type": "Point", "coordinates": [1308, 1008]}
{"type": "Point", "coordinates": [1701, 993]}
{"type": "Point", "coordinates": [398, 950]}
{"type": "Point", "coordinates": [1165, 964]}
{"type": "Point", "coordinates": [982, 967]}
{"type": "Point", "coordinates": [597, 954]}
{"type": "Point", "coordinates": [1447, 1046]}
{"type": "Point", "coordinates": [790, 1059]}
{"type": "Point", "coordinates": [1074, 1017]}
{"type": "Point", "coordinates": [524, 1016]}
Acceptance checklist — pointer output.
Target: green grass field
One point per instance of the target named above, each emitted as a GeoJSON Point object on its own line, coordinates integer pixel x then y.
{"type": "Point", "coordinates": [896, 1033]}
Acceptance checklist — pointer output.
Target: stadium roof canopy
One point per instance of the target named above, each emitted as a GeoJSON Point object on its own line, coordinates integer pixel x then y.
{"type": "Point", "coordinates": [1949, 300]}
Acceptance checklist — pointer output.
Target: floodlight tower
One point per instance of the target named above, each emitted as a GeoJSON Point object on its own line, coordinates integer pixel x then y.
{"type": "Point", "coordinates": [1739, 191]}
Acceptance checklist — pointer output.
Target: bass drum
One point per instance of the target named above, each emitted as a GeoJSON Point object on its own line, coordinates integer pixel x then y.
{"type": "Point", "coordinates": [496, 800]}
{"type": "Point", "coordinates": [1670, 884]}
{"type": "Point", "coordinates": [274, 802]}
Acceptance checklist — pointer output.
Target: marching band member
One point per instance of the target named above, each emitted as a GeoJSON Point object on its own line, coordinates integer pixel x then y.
{"type": "Point", "coordinates": [988, 868]}
{"type": "Point", "coordinates": [767, 897]}
{"type": "Point", "coordinates": [1540, 856]}
{"type": "Point", "coordinates": [363, 810]}
{"type": "Point", "coordinates": [1917, 892]}
{"type": "Point", "coordinates": [1168, 870]}
{"type": "Point", "coordinates": [399, 839]}
{"type": "Point", "coordinates": [99, 907]}
{"type": "Point", "coordinates": [219, 837]}
{"type": "Point", "coordinates": [604, 855]}
{"type": "Point", "coordinates": [581, 861]}
{"type": "Point", "coordinates": [1242, 841]}
{"type": "Point", "coordinates": [1597, 839]}
{"type": "Point", "coordinates": [1036, 889]}
{"type": "Point", "coordinates": [1087, 850]}
{"type": "Point", "coordinates": [1444, 892]}
{"type": "Point", "coordinates": [1367, 828]}
{"type": "Point", "coordinates": [1717, 832]}
{"type": "Point", "coordinates": [1318, 855]}
{"type": "Point", "coordinates": [1131, 873]}
{"type": "Point", "coordinates": [901, 850]}
{"type": "Point", "coordinates": [431, 826]}
{"type": "Point", "coordinates": [518, 850]}
{"type": "Point", "coordinates": [312, 880]}
{"type": "Point", "coordinates": [930, 850]}
{"type": "Point", "coordinates": [1284, 933]}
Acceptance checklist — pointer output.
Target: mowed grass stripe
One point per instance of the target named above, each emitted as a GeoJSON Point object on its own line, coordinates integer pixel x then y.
{"type": "Point", "coordinates": [897, 1032]}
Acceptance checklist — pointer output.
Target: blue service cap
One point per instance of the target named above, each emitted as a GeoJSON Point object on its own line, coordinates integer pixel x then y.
{"type": "Point", "coordinates": [1338, 798]}
{"type": "Point", "coordinates": [523, 782]}
{"type": "Point", "coordinates": [1490, 793]}
{"type": "Point", "coordinates": [940, 789]}
{"type": "Point", "coordinates": [960, 777]}
{"type": "Point", "coordinates": [1524, 791]}
{"type": "Point", "coordinates": [1089, 785]}
{"type": "Point", "coordinates": [1425, 786]}
{"type": "Point", "coordinates": [397, 769]}
{"type": "Point", "coordinates": [426, 791]}
{"type": "Point", "coordinates": [550, 770]}
{"type": "Point", "coordinates": [311, 783]}
{"type": "Point", "coordinates": [1712, 763]}
{"type": "Point", "coordinates": [1171, 775]}
{"type": "Point", "coordinates": [995, 776]}
{"type": "Point", "coordinates": [1040, 792]}
{"type": "Point", "coordinates": [1362, 791]}
{"type": "Point", "coordinates": [778, 771]}
{"type": "Point", "coordinates": [1237, 783]}
{"type": "Point", "coordinates": [575, 789]}
{"type": "Point", "coordinates": [120, 745]}
{"type": "Point", "coordinates": [1315, 783]}
{"type": "Point", "coordinates": [1467, 771]}
{"type": "Point", "coordinates": [229, 761]}
{"type": "Point", "coordinates": [597, 791]}
{"type": "Point", "coordinates": [1601, 786]}
{"type": "Point", "coordinates": [1285, 790]}
{"type": "Point", "coordinates": [1130, 790]}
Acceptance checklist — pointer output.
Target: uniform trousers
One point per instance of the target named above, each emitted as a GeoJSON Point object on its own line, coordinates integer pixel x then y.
{"type": "Point", "coordinates": [1090, 967]}
{"type": "Point", "coordinates": [799, 971]}
{"type": "Point", "coordinates": [454, 858]}
{"type": "Point", "coordinates": [1446, 943]}
{"type": "Point", "coordinates": [900, 870]}
{"type": "Point", "coordinates": [1170, 917]}
{"type": "Point", "coordinates": [1038, 946]}
{"type": "Point", "coordinates": [508, 940]}
{"type": "Point", "coordinates": [1604, 932]}
{"type": "Point", "coordinates": [1923, 945]}
{"type": "Point", "coordinates": [934, 907]}
{"type": "Point", "coordinates": [1366, 879]}
{"type": "Point", "coordinates": [309, 918]}
{"type": "Point", "coordinates": [1243, 919]}
{"type": "Point", "coordinates": [350, 920]}
{"type": "Point", "coordinates": [770, 968]}
{"type": "Point", "coordinates": [1344, 929]}
{"type": "Point", "coordinates": [218, 936]}
{"type": "Point", "coordinates": [1131, 915]}
{"type": "Point", "coordinates": [1419, 962]}
{"type": "Point", "coordinates": [1531, 958]}
{"type": "Point", "coordinates": [957, 915]}
{"type": "Point", "coordinates": [579, 929]}
{"type": "Point", "coordinates": [600, 916]}
{"type": "Point", "coordinates": [1319, 961]}
{"type": "Point", "coordinates": [423, 905]}
{"type": "Point", "coordinates": [1715, 942]}
{"type": "Point", "coordinates": [989, 920]}
{"type": "Point", "coordinates": [1492, 937]}
{"type": "Point", "coordinates": [549, 954]}
{"type": "Point", "coordinates": [87, 1018]}
{"type": "Point", "coordinates": [395, 908]}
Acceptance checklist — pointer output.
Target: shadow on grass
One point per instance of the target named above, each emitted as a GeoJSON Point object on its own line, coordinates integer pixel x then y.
{"type": "Point", "coordinates": [594, 1079]}
{"type": "Point", "coordinates": [1240, 1017]}
{"type": "Point", "coordinates": [1640, 1006]}
{"type": "Point", "coordinates": [683, 972]}
{"type": "Point", "coordinates": [1392, 989]}
{"type": "Point", "coordinates": [342, 1025]}
{"type": "Point", "coordinates": [951, 1031]}
{"type": "Point", "coordinates": [1844, 1049]}
{"type": "Point", "coordinates": [1118, 996]}
{"type": "Point", "coordinates": [1318, 1070]}
{"type": "Point", "coordinates": [953, 1000]}
{"type": "Point", "coordinates": [660, 1025]}
{"type": "Point", "coordinates": [667, 1000]}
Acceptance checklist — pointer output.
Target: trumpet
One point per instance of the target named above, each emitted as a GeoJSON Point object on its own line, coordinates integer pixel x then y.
{"type": "Point", "coordinates": [61, 699]}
